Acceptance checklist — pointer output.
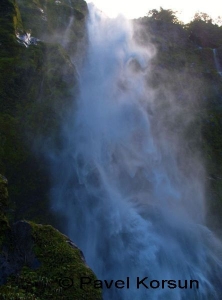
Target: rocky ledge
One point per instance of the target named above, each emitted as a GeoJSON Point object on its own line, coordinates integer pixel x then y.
{"type": "Point", "coordinates": [38, 262]}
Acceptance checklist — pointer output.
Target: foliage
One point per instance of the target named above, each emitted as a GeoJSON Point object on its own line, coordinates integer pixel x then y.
{"type": "Point", "coordinates": [49, 20]}
{"type": "Point", "coordinates": [200, 16]}
{"type": "Point", "coordinates": [164, 15]}
{"type": "Point", "coordinates": [38, 258]}
{"type": "Point", "coordinates": [58, 260]}
{"type": "Point", "coordinates": [37, 84]}
{"type": "Point", "coordinates": [203, 32]}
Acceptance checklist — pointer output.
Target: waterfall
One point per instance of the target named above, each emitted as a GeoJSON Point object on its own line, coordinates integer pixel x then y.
{"type": "Point", "coordinates": [66, 35]}
{"type": "Point", "coordinates": [65, 39]}
{"type": "Point", "coordinates": [217, 63]}
{"type": "Point", "coordinates": [133, 197]}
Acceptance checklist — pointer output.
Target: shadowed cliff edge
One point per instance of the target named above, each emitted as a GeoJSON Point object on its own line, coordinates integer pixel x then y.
{"type": "Point", "coordinates": [35, 259]}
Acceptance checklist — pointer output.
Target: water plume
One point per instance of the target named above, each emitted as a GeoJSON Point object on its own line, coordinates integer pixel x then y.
{"type": "Point", "coordinates": [132, 197]}
{"type": "Point", "coordinates": [217, 63]}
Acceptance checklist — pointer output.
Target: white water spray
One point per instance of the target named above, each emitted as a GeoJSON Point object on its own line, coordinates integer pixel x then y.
{"type": "Point", "coordinates": [217, 63]}
{"type": "Point", "coordinates": [131, 205]}
{"type": "Point", "coordinates": [67, 32]}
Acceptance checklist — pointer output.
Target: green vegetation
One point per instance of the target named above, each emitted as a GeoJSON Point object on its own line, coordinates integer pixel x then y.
{"type": "Point", "coordinates": [37, 84]}
{"type": "Point", "coordinates": [37, 261]}
{"type": "Point", "coordinates": [48, 20]}
{"type": "Point", "coordinates": [58, 260]}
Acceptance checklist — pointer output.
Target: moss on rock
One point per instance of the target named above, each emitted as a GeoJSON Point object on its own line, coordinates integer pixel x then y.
{"type": "Point", "coordinates": [37, 85]}
{"type": "Point", "coordinates": [61, 265]}
{"type": "Point", "coordinates": [56, 21]}
{"type": "Point", "coordinates": [38, 262]}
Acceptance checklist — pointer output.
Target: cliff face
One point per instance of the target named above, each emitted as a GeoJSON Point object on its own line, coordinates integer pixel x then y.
{"type": "Point", "coordinates": [40, 42]}
{"type": "Point", "coordinates": [38, 79]}
{"type": "Point", "coordinates": [189, 64]}
{"type": "Point", "coordinates": [38, 262]}
{"type": "Point", "coordinates": [55, 21]}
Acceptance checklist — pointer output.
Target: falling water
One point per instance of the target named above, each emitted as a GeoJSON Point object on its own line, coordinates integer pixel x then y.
{"type": "Point", "coordinates": [67, 31]}
{"type": "Point", "coordinates": [217, 63]}
{"type": "Point", "coordinates": [65, 39]}
{"type": "Point", "coordinates": [131, 204]}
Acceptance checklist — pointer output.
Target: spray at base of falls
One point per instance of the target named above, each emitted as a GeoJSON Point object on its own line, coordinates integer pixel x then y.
{"type": "Point", "coordinates": [131, 204]}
